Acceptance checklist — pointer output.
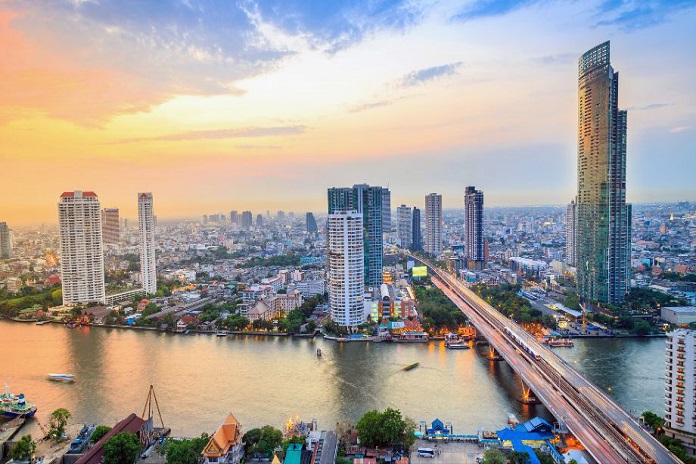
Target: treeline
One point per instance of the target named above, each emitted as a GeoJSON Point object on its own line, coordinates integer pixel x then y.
{"type": "Point", "coordinates": [439, 313]}
{"type": "Point", "coordinates": [11, 305]}
{"type": "Point", "coordinates": [505, 299]}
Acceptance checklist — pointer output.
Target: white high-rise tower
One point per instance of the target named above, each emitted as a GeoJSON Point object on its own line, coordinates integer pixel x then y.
{"type": "Point", "coordinates": [433, 224]}
{"type": "Point", "coordinates": [81, 255]}
{"type": "Point", "coordinates": [680, 388]}
{"type": "Point", "coordinates": [346, 268]}
{"type": "Point", "coordinates": [146, 222]}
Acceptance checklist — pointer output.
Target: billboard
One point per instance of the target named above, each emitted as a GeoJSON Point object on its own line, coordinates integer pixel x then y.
{"type": "Point", "coordinates": [419, 271]}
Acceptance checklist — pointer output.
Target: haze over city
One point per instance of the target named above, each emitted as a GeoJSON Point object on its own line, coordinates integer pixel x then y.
{"type": "Point", "coordinates": [258, 106]}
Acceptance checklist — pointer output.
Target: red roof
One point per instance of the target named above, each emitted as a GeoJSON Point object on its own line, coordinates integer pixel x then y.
{"type": "Point", "coordinates": [131, 424]}
{"type": "Point", "coordinates": [72, 194]}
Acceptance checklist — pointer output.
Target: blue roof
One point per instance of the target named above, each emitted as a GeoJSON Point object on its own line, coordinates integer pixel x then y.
{"type": "Point", "coordinates": [507, 434]}
{"type": "Point", "coordinates": [535, 424]}
{"type": "Point", "coordinates": [438, 425]}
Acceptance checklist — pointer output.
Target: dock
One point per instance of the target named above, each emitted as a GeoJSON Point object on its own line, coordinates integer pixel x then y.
{"type": "Point", "coordinates": [7, 431]}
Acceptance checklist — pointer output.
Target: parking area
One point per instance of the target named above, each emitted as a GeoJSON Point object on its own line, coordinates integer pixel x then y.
{"type": "Point", "coordinates": [450, 453]}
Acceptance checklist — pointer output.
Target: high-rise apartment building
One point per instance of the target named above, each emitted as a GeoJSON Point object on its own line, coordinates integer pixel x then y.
{"type": "Point", "coordinates": [386, 210]}
{"type": "Point", "coordinates": [346, 267]}
{"type": "Point", "coordinates": [246, 220]}
{"type": "Point", "coordinates": [366, 200]}
{"type": "Point", "coordinates": [417, 240]}
{"type": "Point", "coordinates": [111, 226]}
{"type": "Point", "coordinates": [680, 388]}
{"type": "Point", "coordinates": [571, 233]}
{"type": "Point", "coordinates": [474, 246]}
{"type": "Point", "coordinates": [259, 220]}
{"type": "Point", "coordinates": [311, 224]}
{"type": "Point", "coordinates": [5, 241]}
{"type": "Point", "coordinates": [404, 226]}
{"type": "Point", "coordinates": [146, 224]}
{"type": "Point", "coordinates": [234, 217]}
{"type": "Point", "coordinates": [433, 224]}
{"type": "Point", "coordinates": [603, 217]}
{"type": "Point", "coordinates": [81, 249]}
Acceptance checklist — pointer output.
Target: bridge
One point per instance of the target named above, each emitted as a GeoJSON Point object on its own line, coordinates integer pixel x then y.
{"type": "Point", "coordinates": [605, 429]}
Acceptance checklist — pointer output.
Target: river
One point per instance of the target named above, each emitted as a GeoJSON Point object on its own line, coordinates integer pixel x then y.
{"type": "Point", "coordinates": [199, 379]}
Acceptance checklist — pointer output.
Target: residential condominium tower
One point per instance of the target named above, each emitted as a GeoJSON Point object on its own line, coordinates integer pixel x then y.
{"type": "Point", "coordinates": [603, 217]}
{"type": "Point", "coordinates": [386, 210]}
{"type": "Point", "coordinates": [571, 233]}
{"type": "Point", "coordinates": [311, 224]}
{"type": "Point", "coordinates": [404, 226]}
{"type": "Point", "coordinates": [146, 222]}
{"type": "Point", "coordinates": [346, 267]}
{"type": "Point", "coordinates": [111, 227]}
{"type": "Point", "coordinates": [5, 241]}
{"type": "Point", "coordinates": [367, 200]}
{"type": "Point", "coordinates": [433, 224]}
{"type": "Point", "coordinates": [81, 249]}
{"type": "Point", "coordinates": [417, 240]}
{"type": "Point", "coordinates": [680, 388]}
{"type": "Point", "coordinates": [474, 246]}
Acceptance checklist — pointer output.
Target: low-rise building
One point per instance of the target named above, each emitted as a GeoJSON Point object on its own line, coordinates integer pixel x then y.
{"type": "Point", "coordinates": [679, 315]}
{"type": "Point", "coordinates": [225, 446]}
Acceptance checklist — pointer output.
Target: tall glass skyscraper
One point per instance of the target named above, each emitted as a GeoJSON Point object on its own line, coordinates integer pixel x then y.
{"type": "Point", "coordinates": [603, 217]}
{"type": "Point", "coordinates": [473, 229]}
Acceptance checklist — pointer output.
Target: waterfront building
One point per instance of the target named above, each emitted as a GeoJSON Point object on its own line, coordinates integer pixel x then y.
{"type": "Point", "coordinates": [146, 224]}
{"type": "Point", "coordinates": [81, 248]}
{"type": "Point", "coordinates": [225, 446]}
{"type": "Point", "coordinates": [386, 210]}
{"type": "Point", "coordinates": [404, 226]}
{"type": "Point", "coordinates": [433, 224]}
{"type": "Point", "coordinates": [346, 267]}
{"type": "Point", "coordinates": [417, 239]}
{"type": "Point", "coordinates": [234, 217]}
{"type": "Point", "coordinates": [246, 220]}
{"type": "Point", "coordinates": [678, 315]}
{"type": "Point", "coordinates": [571, 233]}
{"type": "Point", "coordinates": [111, 226]}
{"type": "Point", "coordinates": [473, 229]}
{"type": "Point", "coordinates": [5, 241]}
{"type": "Point", "coordinates": [603, 217]}
{"type": "Point", "coordinates": [680, 388]}
{"type": "Point", "coordinates": [311, 224]}
{"type": "Point", "coordinates": [366, 200]}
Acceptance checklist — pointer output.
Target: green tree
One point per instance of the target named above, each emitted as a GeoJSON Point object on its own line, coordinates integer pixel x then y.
{"type": "Point", "coordinates": [186, 451]}
{"type": "Point", "coordinates": [368, 427]}
{"type": "Point", "coordinates": [641, 327]}
{"type": "Point", "coordinates": [23, 449]}
{"type": "Point", "coordinates": [57, 297]}
{"type": "Point", "coordinates": [99, 432]}
{"type": "Point", "coordinates": [57, 422]}
{"type": "Point", "coordinates": [262, 441]}
{"type": "Point", "coordinates": [385, 428]}
{"type": "Point", "coordinates": [653, 420]}
{"type": "Point", "coordinates": [493, 456]}
{"type": "Point", "coordinates": [122, 448]}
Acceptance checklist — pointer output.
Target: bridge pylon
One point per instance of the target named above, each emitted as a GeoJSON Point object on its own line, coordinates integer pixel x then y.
{"type": "Point", "coordinates": [493, 355]}
{"type": "Point", "coordinates": [528, 396]}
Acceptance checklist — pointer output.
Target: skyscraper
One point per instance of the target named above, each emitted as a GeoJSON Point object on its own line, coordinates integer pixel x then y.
{"type": "Point", "coordinates": [111, 226]}
{"type": "Point", "coordinates": [571, 233]}
{"type": "Point", "coordinates": [404, 226]}
{"type": "Point", "coordinates": [433, 224]}
{"type": "Point", "coordinates": [603, 217]}
{"type": "Point", "coordinates": [680, 388]}
{"type": "Point", "coordinates": [473, 229]}
{"type": "Point", "coordinates": [5, 241]}
{"type": "Point", "coordinates": [246, 221]}
{"type": "Point", "coordinates": [234, 217]}
{"type": "Point", "coordinates": [259, 220]}
{"type": "Point", "coordinates": [346, 267]}
{"type": "Point", "coordinates": [386, 210]}
{"type": "Point", "coordinates": [81, 254]}
{"type": "Point", "coordinates": [417, 240]}
{"type": "Point", "coordinates": [146, 224]}
{"type": "Point", "coordinates": [311, 224]}
{"type": "Point", "coordinates": [366, 200]}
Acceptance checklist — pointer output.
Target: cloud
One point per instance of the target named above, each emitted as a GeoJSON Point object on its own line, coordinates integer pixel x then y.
{"type": "Point", "coordinates": [630, 15]}
{"type": "Point", "coordinates": [244, 132]}
{"type": "Point", "coordinates": [679, 129]}
{"type": "Point", "coordinates": [489, 8]}
{"type": "Point", "coordinates": [559, 58]}
{"type": "Point", "coordinates": [429, 74]}
{"type": "Point", "coordinates": [651, 106]}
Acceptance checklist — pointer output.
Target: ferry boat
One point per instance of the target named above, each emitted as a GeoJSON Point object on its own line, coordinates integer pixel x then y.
{"type": "Point", "coordinates": [411, 366]}
{"type": "Point", "coordinates": [61, 377]}
{"type": "Point", "coordinates": [221, 333]}
{"type": "Point", "coordinates": [80, 442]}
{"type": "Point", "coordinates": [561, 342]}
{"type": "Point", "coordinates": [15, 406]}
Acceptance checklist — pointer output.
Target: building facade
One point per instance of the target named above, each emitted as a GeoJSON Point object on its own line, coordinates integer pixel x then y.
{"type": "Point", "coordinates": [234, 217]}
{"type": "Point", "coordinates": [404, 226]}
{"type": "Point", "coordinates": [433, 224]}
{"type": "Point", "coordinates": [6, 244]}
{"type": "Point", "coordinates": [111, 226]}
{"type": "Point", "coordinates": [386, 210]}
{"type": "Point", "coordinates": [603, 217]}
{"type": "Point", "coordinates": [81, 248]}
{"type": "Point", "coordinates": [680, 388]}
{"type": "Point", "coordinates": [146, 224]}
{"type": "Point", "coordinates": [311, 224]}
{"type": "Point", "coordinates": [571, 233]}
{"type": "Point", "coordinates": [226, 445]}
{"type": "Point", "coordinates": [417, 240]}
{"type": "Point", "coordinates": [366, 200]}
{"type": "Point", "coordinates": [346, 267]}
{"type": "Point", "coordinates": [246, 220]}
{"type": "Point", "coordinates": [474, 247]}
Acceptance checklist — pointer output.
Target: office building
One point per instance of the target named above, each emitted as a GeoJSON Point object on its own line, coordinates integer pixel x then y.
{"type": "Point", "coordinates": [5, 241]}
{"type": "Point", "coordinates": [386, 210]}
{"type": "Point", "coordinates": [680, 388]}
{"type": "Point", "coordinates": [603, 217]}
{"type": "Point", "coordinates": [404, 226]}
{"type": "Point", "coordinates": [474, 246]}
{"type": "Point", "coordinates": [259, 220]}
{"type": "Point", "coordinates": [366, 200]}
{"type": "Point", "coordinates": [346, 267]}
{"type": "Point", "coordinates": [311, 224]}
{"type": "Point", "coordinates": [417, 240]}
{"type": "Point", "coordinates": [571, 233]}
{"type": "Point", "coordinates": [281, 215]}
{"type": "Point", "coordinates": [246, 220]}
{"type": "Point", "coordinates": [234, 217]}
{"type": "Point", "coordinates": [146, 224]}
{"type": "Point", "coordinates": [111, 226]}
{"type": "Point", "coordinates": [433, 224]}
{"type": "Point", "coordinates": [81, 253]}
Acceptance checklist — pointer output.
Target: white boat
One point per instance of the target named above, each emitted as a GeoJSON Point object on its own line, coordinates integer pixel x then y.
{"type": "Point", "coordinates": [61, 377]}
{"type": "Point", "coordinates": [512, 419]}
{"type": "Point", "coordinates": [221, 333]}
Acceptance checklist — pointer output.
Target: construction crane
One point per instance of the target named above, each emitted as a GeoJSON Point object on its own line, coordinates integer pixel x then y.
{"type": "Point", "coordinates": [149, 407]}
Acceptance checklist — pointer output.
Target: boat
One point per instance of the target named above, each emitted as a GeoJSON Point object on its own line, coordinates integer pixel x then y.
{"type": "Point", "coordinates": [15, 406]}
{"type": "Point", "coordinates": [512, 419]}
{"type": "Point", "coordinates": [221, 333]}
{"type": "Point", "coordinates": [80, 442]}
{"type": "Point", "coordinates": [61, 377]}
{"type": "Point", "coordinates": [319, 352]}
{"type": "Point", "coordinates": [411, 366]}
{"type": "Point", "coordinates": [458, 345]}
{"type": "Point", "coordinates": [47, 321]}
{"type": "Point", "coordinates": [561, 343]}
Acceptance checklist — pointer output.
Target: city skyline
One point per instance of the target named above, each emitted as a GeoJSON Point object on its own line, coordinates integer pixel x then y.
{"type": "Point", "coordinates": [201, 113]}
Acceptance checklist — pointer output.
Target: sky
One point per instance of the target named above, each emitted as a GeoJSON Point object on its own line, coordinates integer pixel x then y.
{"type": "Point", "coordinates": [219, 105]}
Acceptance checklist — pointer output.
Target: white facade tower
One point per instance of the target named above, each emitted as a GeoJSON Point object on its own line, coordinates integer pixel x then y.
{"type": "Point", "coordinates": [146, 222]}
{"type": "Point", "coordinates": [404, 226]}
{"type": "Point", "coordinates": [433, 224]}
{"type": "Point", "coordinates": [346, 268]}
{"type": "Point", "coordinates": [680, 388]}
{"type": "Point", "coordinates": [81, 248]}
